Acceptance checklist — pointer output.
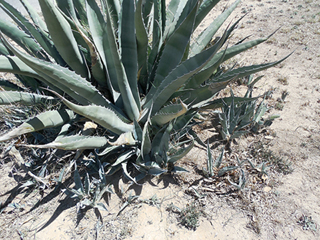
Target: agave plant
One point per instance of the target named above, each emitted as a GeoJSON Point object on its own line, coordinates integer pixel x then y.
{"type": "Point", "coordinates": [133, 67]}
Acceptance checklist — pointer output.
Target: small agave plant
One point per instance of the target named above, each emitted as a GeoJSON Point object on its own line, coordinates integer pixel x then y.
{"type": "Point", "coordinates": [135, 68]}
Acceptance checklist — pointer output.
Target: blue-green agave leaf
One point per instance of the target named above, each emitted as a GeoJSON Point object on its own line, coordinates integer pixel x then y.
{"type": "Point", "coordinates": [180, 153]}
{"type": "Point", "coordinates": [204, 9]}
{"type": "Point", "coordinates": [33, 30]}
{"type": "Point", "coordinates": [124, 157]}
{"type": "Point", "coordinates": [173, 51]}
{"type": "Point", "coordinates": [25, 98]}
{"type": "Point", "coordinates": [146, 142]}
{"type": "Point", "coordinates": [37, 20]}
{"type": "Point", "coordinates": [248, 70]}
{"type": "Point", "coordinates": [62, 36]}
{"type": "Point", "coordinates": [75, 142]}
{"type": "Point", "coordinates": [43, 120]}
{"type": "Point", "coordinates": [21, 38]}
{"type": "Point", "coordinates": [128, 40]}
{"type": "Point", "coordinates": [178, 77]}
{"type": "Point", "coordinates": [218, 103]}
{"type": "Point", "coordinates": [205, 37]}
{"type": "Point", "coordinates": [168, 113]}
{"type": "Point", "coordinates": [142, 43]}
{"type": "Point", "coordinates": [106, 116]}
{"type": "Point", "coordinates": [65, 77]}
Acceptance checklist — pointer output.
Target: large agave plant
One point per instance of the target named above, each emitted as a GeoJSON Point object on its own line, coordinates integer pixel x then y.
{"type": "Point", "coordinates": [133, 67]}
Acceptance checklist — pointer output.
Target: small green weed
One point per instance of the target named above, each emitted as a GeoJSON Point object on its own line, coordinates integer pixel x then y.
{"type": "Point", "coordinates": [279, 106]}
{"type": "Point", "coordinates": [188, 216]}
{"type": "Point", "coordinates": [307, 223]}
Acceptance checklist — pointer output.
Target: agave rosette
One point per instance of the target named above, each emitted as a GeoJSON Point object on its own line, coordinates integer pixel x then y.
{"type": "Point", "coordinates": [133, 67]}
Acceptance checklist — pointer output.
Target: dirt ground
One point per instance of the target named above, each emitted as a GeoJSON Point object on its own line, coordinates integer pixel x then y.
{"type": "Point", "coordinates": [283, 205]}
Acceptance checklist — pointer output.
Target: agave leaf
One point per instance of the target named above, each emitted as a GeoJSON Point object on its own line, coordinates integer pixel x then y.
{"type": "Point", "coordinates": [101, 206]}
{"type": "Point", "coordinates": [124, 139]}
{"type": "Point", "coordinates": [200, 77]}
{"type": "Point", "coordinates": [178, 77]}
{"type": "Point", "coordinates": [107, 116]}
{"type": "Point", "coordinates": [219, 159]}
{"type": "Point", "coordinates": [180, 153]}
{"type": "Point", "coordinates": [187, 10]}
{"type": "Point", "coordinates": [113, 170]}
{"type": "Point", "coordinates": [196, 137]}
{"type": "Point", "coordinates": [174, 11]}
{"type": "Point", "coordinates": [128, 39]}
{"type": "Point", "coordinates": [37, 20]}
{"type": "Point", "coordinates": [205, 37]}
{"type": "Point", "coordinates": [123, 157]}
{"type": "Point", "coordinates": [224, 170]}
{"type": "Point", "coordinates": [63, 131]}
{"type": "Point", "coordinates": [26, 74]}
{"type": "Point", "coordinates": [114, 8]}
{"type": "Point", "coordinates": [262, 108]}
{"type": "Point", "coordinates": [22, 21]}
{"type": "Point", "coordinates": [173, 51]}
{"type": "Point", "coordinates": [204, 9]}
{"type": "Point", "coordinates": [138, 132]}
{"type": "Point", "coordinates": [4, 50]}
{"type": "Point", "coordinates": [200, 96]}
{"type": "Point", "coordinates": [142, 43]}
{"type": "Point", "coordinates": [43, 120]}
{"type": "Point", "coordinates": [14, 65]}
{"type": "Point", "coordinates": [43, 30]}
{"type": "Point", "coordinates": [77, 180]}
{"type": "Point", "coordinates": [183, 121]}
{"type": "Point", "coordinates": [117, 72]}
{"type": "Point", "coordinates": [168, 113]}
{"type": "Point", "coordinates": [98, 32]}
{"type": "Point", "coordinates": [22, 39]}
{"type": "Point", "coordinates": [209, 161]}
{"type": "Point", "coordinates": [156, 171]}
{"type": "Point", "coordinates": [25, 98]}
{"type": "Point", "coordinates": [160, 144]}
{"type": "Point", "coordinates": [97, 66]}
{"type": "Point", "coordinates": [248, 70]}
{"type": "Point", "coordinates": [67, 7]}
{"type": "Point", "coordinates": [130, 105]}
{"type": "Point", "coordinates": [80, 6]}
{"type": "Point", "coordinates": [224, 126]}
{"type": "Point", "coordinates": [75, 25]}
{"type": "Point", "coordinates": [158, 21]}
{"type": "Point", "coordinates": [87, 184]}
{"type": "Point", "coordinates": [147, 11]}
{"type": "Point", "coordinates": [126, 173]}
{"type": "Point", "coordinates": [252, 83]}
{"type": "Point", "coordinates": [163, 15]}
{"type": "Point", "coordinates": [62, 36]}
{"type": "Point", "coordinates": [177, 169]}
{"type": "Point", "coordinates": [63, 76]}
{"type": "Point", "coordinates": [108, 150]}
{"type": "Point", "coordinates": [74, 143]}
{"type": "Point", "coordinates": [235, 50]}
{"type": "Point", "coordinates": [104, 39]}
{"type": "Point", "coordinates": [72, 193]}
{"type": "Point", "coordinates": [242, 181]}
{"type": "Point", "coordinates": [146, 142]}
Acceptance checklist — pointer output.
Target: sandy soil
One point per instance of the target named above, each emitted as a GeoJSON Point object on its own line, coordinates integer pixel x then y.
{"type": "Point", "coordinates": [282, 205]}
